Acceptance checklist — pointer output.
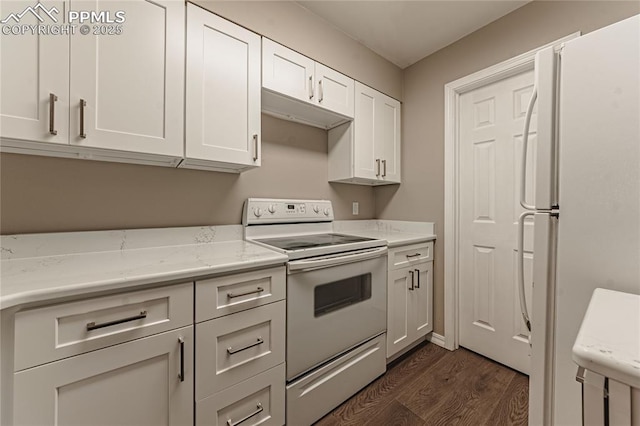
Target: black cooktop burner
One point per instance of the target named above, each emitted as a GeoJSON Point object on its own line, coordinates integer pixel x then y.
{"type": "Point", "coordinates": [301, 242]}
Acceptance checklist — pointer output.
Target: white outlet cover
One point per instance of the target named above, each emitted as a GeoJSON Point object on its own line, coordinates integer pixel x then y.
{"type": "Point", "coordinates": [356, 208]}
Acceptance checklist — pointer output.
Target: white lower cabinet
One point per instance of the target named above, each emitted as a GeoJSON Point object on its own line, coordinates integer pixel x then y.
{"type": "Point", "coordinates": [240, 354]}
{"type": "Point", "coordinates": [409, 296]}
{"type": "Point", "coordinates": [236, 347]}
{"type": "Point", "coordinates": [148, 381]}
{"type": "Point", "coordinates": [258, 400]}
{"type": "Point", "coordinates": [132, 358]}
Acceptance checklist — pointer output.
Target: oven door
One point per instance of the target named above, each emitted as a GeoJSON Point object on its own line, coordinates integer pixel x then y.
{"type": "Point", "coordinates": [334, 303]}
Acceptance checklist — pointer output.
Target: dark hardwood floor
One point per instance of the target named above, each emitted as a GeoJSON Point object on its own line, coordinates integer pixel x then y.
{"type": "Point", "coordinates": [433, 386]}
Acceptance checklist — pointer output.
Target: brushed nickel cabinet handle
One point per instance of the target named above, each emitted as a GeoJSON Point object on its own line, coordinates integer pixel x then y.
{"type": "Point", "coordinates": [320, 91]}
{"type": "Point", "coordinates": [412, 276]}
{"type": "Point", "coordinates": [310, 87]}
{"type": "Point", "coordinates": [246, 293]}
{"type": "Point", "coordinates": [378, 165]}
{"type": "Point", "coordinates": [384, 168]}
{"type": "Point", "coordinates": [259, 410]}
{"type": "Point", "coordinates": [181, 373]}
{"type": "Point", "coordinates": [418, 279]}
{"type": "Point", "coordinates": [52, 113]}
{"type": "Point", "coordinates": [232, 351]}
{"type": "Point", "coordinates": [255, 147]}
{"type": "Point", "coordinates": [83, 104]}
{"type": "Point", "coordinates": [93, 326]}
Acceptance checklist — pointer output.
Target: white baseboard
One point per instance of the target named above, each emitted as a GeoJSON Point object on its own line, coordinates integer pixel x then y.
{"type": "Point", "coordinates": [436, 339]}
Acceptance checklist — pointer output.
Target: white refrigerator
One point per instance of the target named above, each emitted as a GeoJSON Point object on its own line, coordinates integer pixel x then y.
{"type": "Point", "coordinates": [586, 215]}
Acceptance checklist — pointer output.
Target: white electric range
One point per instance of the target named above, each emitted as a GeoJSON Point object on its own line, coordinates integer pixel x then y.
{"type": "Point", "coordinates": [336, 302]}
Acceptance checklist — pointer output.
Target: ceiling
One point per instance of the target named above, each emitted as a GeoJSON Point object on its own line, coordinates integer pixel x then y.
{"type": "Point", "coordinates": [404, 32]}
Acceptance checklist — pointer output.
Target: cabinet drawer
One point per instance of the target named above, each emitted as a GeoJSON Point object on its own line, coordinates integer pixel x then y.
{"type": "Point", "coordinates": [225, 295]}
{"type": "Point", "coordinates": [259, 400]}
{"type": "Point", "coordinates": [59, 331]}
{"type": "Point", "coordinates": [410, 255]}
{"type": "Point", "coordinates": [236, 347]}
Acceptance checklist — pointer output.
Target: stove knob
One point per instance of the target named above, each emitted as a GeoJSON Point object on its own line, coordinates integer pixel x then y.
{"type": "Point", "coordinates": [272, 208]}
{"type": "Point", "coordinates": [316, 209]}
{"type": "Point", "coordinates": [326, 212]}
{"type": "Point", "coordinates": [257, 212]}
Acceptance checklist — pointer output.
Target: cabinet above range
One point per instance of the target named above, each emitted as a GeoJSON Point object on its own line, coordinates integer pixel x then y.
{"type": "Point", "coordinates": [295, 87]}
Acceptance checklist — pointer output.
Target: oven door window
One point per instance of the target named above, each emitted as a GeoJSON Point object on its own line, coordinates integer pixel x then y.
{"type": "Point", "coordinates": [340, 294]}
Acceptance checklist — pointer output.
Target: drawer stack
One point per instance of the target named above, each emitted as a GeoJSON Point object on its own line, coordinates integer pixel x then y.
{"type": "Point", "coordinates": [240, 330]}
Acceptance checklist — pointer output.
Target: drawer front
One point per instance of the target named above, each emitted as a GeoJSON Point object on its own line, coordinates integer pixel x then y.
{"type": "Point", "coordinates": [47, 334]}
{"type": "Point", "coordinates": [234, 293]}
{"type": "Point", "coordinates": [314, 395]}
{"type": "Point", "coordinates": [236, 347]}
{"type": "Point", "coordinates": [410, 255]}
{"type": "Point", "coordinates": [259, 400]}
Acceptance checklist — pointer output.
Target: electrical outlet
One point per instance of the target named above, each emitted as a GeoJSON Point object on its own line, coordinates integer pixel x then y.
{"type": "Point", "coordinates": [356, 208]}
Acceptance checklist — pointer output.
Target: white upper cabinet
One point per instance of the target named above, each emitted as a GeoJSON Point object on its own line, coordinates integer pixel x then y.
{"type": "Point", "coordinates": [300, 89]}
{"type": "Point", "coordinates": [127, 89]}
{"type": "Point", "coordinates": [222, 94]}
{"type": "Point", "coordinates": [287, 72]}
{"type": "Point", "coordinates": [367, 150]}
{"type": "Point", "coordinates": [115, 93]}
{"type": "Point", "coordinates": [333, 90]}
{"type": "Point", "coordinates": [34, 76]}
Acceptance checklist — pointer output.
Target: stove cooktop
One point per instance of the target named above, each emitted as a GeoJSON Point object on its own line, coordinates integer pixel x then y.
{"type": "Point", "coordinates": [302, 242]}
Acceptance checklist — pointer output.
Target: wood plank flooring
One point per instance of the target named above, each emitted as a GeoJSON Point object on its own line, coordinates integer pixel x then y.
{"type": "Point", "coordinates": [433, 386]}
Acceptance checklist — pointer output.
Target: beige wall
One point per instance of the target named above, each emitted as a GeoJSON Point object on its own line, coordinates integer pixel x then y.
{"type": "Point", "coordinates": [290, 24]}
{"type": "Point", "coordinates": [40, 194]}
{"type": "Point", "coordinates": [421, 195]}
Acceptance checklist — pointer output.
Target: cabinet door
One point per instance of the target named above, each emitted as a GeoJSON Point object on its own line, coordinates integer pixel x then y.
{"type": "Point", "coordinates": [422, 301]}
{"type": "Point", "coordinates": [223, 90]}
{"type": "Point", "coordinates": [135, 383]}
{"type": "Point", "coordinates": [132, 83]}
{"type": "Point", "coordinates": [34, 67]}
{"type": "Point", "coordinates": [366, 163]}
{"type": "Point", "coordinates": [287, 72]}
{"type": "Point", "coordinates": [335, 91]}
{"type": "Point", "coordinates": [398, 311]}
{"type": "Point", "coordinates": [388, 137]}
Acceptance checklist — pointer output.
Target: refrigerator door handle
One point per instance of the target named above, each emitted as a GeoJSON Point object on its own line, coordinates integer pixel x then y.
{"type": "Point", "coordinates": [523, 297]}
{"type": "Point", "coordinates": [525, 141]}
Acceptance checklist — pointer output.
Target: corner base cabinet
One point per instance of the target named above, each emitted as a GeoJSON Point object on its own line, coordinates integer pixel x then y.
{"type": "Point", "coordinates": [147, 381]}
{"type": "Point", "coordinates": [409, 296]}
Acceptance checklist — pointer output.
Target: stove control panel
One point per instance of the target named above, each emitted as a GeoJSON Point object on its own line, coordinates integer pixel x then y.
{"type": "Point", "coordinates": [269, 210]}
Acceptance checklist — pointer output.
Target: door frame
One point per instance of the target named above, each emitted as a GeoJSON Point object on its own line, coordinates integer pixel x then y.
{"type": "Point", "coordinates": [452, 93]}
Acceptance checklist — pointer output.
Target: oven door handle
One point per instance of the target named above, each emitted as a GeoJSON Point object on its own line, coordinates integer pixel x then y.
{"type": "Point", "coordinates": [334, 260]}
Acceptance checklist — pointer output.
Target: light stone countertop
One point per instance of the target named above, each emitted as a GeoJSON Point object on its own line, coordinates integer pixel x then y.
{"type": "Point", "coordinates": [608, 342]}
{"type": "Point", "coordinates": [397, 233]}
{"type": "Point", "coordinates": [47, 267]}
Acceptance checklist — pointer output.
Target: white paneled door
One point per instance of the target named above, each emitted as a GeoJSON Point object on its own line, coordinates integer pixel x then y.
{"type": "Point", "coordinates": [491, 123]}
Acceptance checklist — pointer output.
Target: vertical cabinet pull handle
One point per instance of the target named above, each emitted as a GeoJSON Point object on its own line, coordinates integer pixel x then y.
{"type": "Point", "coordinates": [384, 168]}
{"type": "Point", "coordinates": [320, 91]}
{"type": "Point", "coordinates": [412, 276]}
{"type": "Point", "coordinates": [83, 104]}
{"type": "Point", "coordinates": [378, 166]}
{"type": "Point", "coordinates": [418, 278]}
{"type": "Point", "coordinates": [310, 87]}
{"type": "Point", "coordinates": [181, 374]}
{"type": "Point", "coordinates": [259, 410]}
{"type": "Point", "coordinates": [255, 147]}
{"type": "Point", "coordinates": [52, 114]}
